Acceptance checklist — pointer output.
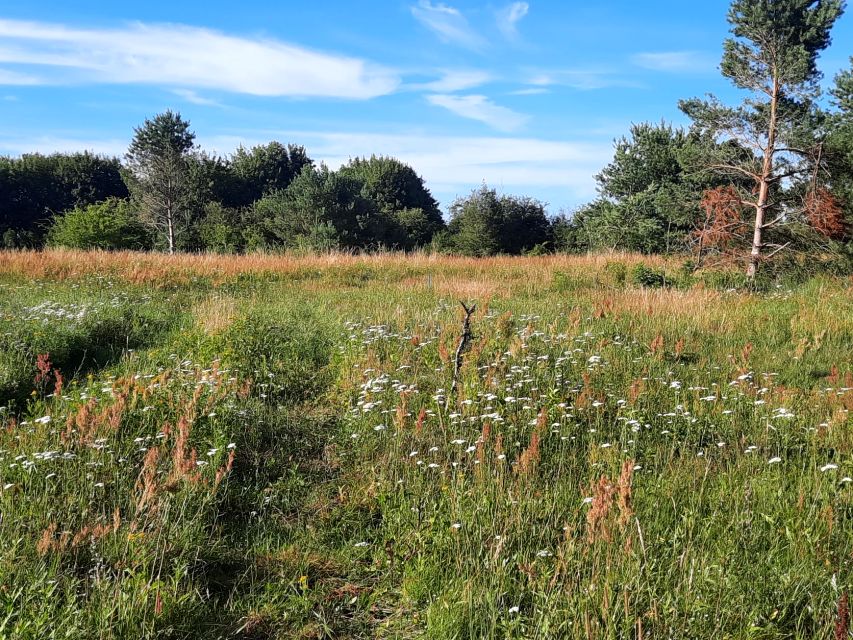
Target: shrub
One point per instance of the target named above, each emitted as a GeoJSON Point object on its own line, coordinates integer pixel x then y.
{"type": "Point", "coordinates": [111, 225]}
{"type": "Point", "coordinates": [644, 276]}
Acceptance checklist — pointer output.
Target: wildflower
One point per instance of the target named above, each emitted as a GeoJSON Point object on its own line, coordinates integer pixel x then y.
{"type": "Point", "coordinates": [456, 525]}
{"type": "Point", "coordinates": [513, 609]}
{"type": "Point", "coordinates": [774, 460]}
{"type": "Point", "coordinates": [361, 544]}
{"type": "Point", "coordinates": [829, 467]}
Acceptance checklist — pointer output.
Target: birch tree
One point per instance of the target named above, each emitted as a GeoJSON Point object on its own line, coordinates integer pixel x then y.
{"type": "Point", "coordinates": [157, 161]}
{"type": "Point", "coordinates": [772, 56]}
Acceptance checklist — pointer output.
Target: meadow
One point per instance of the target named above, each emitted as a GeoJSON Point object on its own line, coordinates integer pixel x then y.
{"type": "Point", "coordinates": [271, 447]}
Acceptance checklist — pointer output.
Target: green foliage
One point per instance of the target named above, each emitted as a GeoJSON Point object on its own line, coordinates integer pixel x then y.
{"type": "Point", "coordinates": [293, 349]}
{"type": "Point", "coordinates": [400, 192]}
{"type": "Point", "coordinates": [218, 230]}
{"type": "Point", "coordinates": [274, 458]}
{"type": "Point", "coordinates": [650, 194]}
{"type": "Point", "coordinates": [34, 188]}
{"type": "Point", "coordinates": [265, 169]}
{"type": "Point", "coordinates": [644, 276]}
{"type": "Point", "coordinates": [484, 224]}
{"type": "Point", "coordinates": [773, 55]}
{"type": "Point", "coordinates": [158, 175]}
{"type": "Point", "coordinates": [318, 201]}
{"type": "Point", "coordinates": [112, 224]}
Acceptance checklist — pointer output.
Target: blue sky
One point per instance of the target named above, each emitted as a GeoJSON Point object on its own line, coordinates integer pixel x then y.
{"type": "Point", "coordinates": [527, 96]}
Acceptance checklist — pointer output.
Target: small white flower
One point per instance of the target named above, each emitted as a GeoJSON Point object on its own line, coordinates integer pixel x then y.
{"type": "Point", "coordinates": [774, 460]}
{"type": "Point", "coordinates": [829, 467]}
{"type": "Point", "coordinates": [361, 544]}
{"type": "Point", "coordinates": [456, 525]}
{"type": "Point", "coordinates": [513, 609]}
{"type": "Point", "coordinates": [43, 419]}
{"type": "Point", "coordinates": [587, 500]}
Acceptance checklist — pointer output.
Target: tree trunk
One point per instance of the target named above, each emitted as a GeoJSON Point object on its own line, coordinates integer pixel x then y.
{"type": "Point", "coordinates": [764, 185]}
{"type": "Point", "coordinates": [171, 232]}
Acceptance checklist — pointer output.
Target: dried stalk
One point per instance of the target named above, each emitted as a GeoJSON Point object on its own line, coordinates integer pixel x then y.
{"type": "Point", "coordinates": [464, 341]}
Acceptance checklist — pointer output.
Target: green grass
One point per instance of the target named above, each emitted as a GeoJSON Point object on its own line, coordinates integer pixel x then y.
{"type": "Point", "coordinates": [619, 461]}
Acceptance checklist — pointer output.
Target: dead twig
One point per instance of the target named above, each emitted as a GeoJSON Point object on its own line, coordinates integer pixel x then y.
{"type": "Point", "coordinates": [464, 340]}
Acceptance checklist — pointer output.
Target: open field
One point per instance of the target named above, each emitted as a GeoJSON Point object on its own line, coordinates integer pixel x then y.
{"type": "Point", "coordinates": [268, 447]}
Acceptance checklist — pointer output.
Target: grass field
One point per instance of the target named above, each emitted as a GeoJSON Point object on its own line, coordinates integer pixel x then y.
{"type": "Point", "coordinates": [268, 447]}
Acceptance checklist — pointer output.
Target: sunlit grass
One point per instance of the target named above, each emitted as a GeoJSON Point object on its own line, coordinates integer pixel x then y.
{"type": "Point", "coordinates": [264, 447]}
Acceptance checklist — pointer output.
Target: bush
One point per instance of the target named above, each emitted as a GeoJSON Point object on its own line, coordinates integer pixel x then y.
{"type": "Point", "coordinates": [644, 276]}
{"type": "Point", "coordinates": [111, 225]}
{"type": "Point", "coordinates": [618, 271]}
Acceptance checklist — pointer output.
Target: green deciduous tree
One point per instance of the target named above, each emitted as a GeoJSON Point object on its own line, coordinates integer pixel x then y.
{"type": "Point", "coordinates": [399, 192]}
{"type": "Point", "coordinates": [772, 55]}
{"type": "Point", "coordinates": [35, 187]}
{"type": "Point", "coordinates": [158, 178]}
{"type": "Point", "coordinates": [111, 224]}
{"type": "Point", "coordinates": [264, 169]}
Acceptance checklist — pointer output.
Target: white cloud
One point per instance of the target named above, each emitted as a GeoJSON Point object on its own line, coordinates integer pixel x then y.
{"type": "Point", "coordinates": [448, 23]}
{"type": "Point", "coordinates": [194, 98]}
{"type": "Point", "coordinates": [509, 17]}
{"type": "Point", "coordinates": [482, 109]}
{"type": "Point", "coordinates": [19, 145]}
{"type": "Point", "coordinates": [581, 79]}
{"type": "Point", "coordinates": [532, 91]}
{"type": "Point", "coordinates": [187, 57]}
{"type": "Point", "coordinates": [451, 165]}
{"type": "Point", "coordinates": [14, 78]}
{"type": "Point", "coordinates": [673, 61]}
{"type": "Point", "coordinates": [455, 80]}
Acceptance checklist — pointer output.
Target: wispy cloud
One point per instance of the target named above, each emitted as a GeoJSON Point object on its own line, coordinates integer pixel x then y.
{"type": "Point", "coordinates": [448, 23]}
{"type": "Point", "coordinates": [18, 145]}
{"type": "Point", "coordinates": [194, 98]}
{"type": "Point", "coordinates": [480, 108]}
{"type": "Point", "coordinates": [674, 61]}
{"type": "Point", "coordinates": [14, 78]}
{"type": "Point", "coordinates": [530, 91]}
{"type": "Point", "coordinates": [581, 79]}
{"type": "Point", "coordinates": [455, 80]}
{"type": "Point", "coordinates": [509, 17]}
{"type": "Point", "coordinates": [187, 57]}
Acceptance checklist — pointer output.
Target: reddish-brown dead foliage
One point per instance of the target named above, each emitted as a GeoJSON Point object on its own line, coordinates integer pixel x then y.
{"type": "Point", "coordinates": [842, 621]}
{"type": "Point", "coordinates": [824, 213]}
{"type": "Point", "coordinates": [724, 223]}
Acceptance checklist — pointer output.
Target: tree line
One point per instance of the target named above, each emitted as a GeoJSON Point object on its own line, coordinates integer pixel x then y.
{"type": "Point", "coordinates": [767, 180]}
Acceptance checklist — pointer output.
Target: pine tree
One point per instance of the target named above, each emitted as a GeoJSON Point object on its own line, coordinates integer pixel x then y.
{"type": "Point", "coordinates": [773, 55]}
{"type": "Point", "coordinates": [157, 160]}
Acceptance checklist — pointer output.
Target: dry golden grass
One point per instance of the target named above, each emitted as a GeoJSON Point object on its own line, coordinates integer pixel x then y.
{"type": "Point", "coordinates": [216, 314]}
{"type": "Point", "coordinates": [164, 269]}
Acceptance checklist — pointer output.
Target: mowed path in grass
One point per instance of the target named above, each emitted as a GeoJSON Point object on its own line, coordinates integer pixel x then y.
{"type": "Point", "coordinates": [264, 447]}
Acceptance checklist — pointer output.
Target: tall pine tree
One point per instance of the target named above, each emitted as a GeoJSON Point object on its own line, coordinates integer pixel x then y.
{"type": "Point", "coordinates": [772, 55]}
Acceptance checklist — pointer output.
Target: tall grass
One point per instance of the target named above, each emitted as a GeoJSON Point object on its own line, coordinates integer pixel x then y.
{"type": "Point", "coordinates": [264, 449]}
